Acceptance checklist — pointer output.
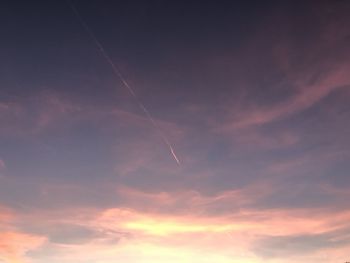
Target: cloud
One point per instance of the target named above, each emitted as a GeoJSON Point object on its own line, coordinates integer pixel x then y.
{"type": "Point", "coordinates": [189, 227]}
{"type": "Point", "coordinates": [70, 234]}
{"type": "Point", "coordinates": [2, 164]}
{"type": "Point", "coordinates": [286, 67]}
{"type": "Point", "coordinates": [32, 115]}
{"type": "Point", "coordinates": [242, 236]}
{"type": "Point", "coordinates": [297, 245]}
{"type": "Point", "coordinates": [6, 216]}
{"type": "Point", "coordinates": [14, 246]}
{"type": "Point", "coordinates": [307, 95]}
{"type": "Point", "coordinates": [183, 201]}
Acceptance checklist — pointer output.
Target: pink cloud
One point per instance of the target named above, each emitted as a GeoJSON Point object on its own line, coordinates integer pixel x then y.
{"type": "Point", "coordinates": [255, 139]}
{"type": "Point", "coordinates": [2, 164]}
{"type": "Point", "coordinates": [53, 108]}
{"type": "Point", "coordinates": [33, 115]}
{"type": "Point", "coordinates": [14, 245]}
{"type": "Point", "coordinates": [6, 216]}
{"type": "Point", "coordinates": [191, 201]}
{"type": "Point", "coordinates": [307, 95]}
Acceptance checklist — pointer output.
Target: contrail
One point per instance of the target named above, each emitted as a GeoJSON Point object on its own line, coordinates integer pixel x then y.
{"type": "Point", "coordinates": [123, 80]}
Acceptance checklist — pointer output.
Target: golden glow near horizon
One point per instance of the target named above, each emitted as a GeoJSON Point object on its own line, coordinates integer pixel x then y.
{"type": "Point", "coordinates": [164, 228]}
{"type": "Point", "coordinates": [137, 237]}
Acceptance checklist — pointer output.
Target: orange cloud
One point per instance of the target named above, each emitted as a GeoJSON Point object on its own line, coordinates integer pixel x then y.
{"type": "Point", "coordinates": [6, 215]}
{"type": "Point", "coordinates": [14, 245]}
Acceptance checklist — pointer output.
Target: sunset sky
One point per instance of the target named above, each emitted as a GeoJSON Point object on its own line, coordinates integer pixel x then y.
{"type": "Point", "coordinates": [252, 96]}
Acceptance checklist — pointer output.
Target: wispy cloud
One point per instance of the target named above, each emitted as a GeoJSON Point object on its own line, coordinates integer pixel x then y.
{"type": "Point", "coordinates": [306, 96]}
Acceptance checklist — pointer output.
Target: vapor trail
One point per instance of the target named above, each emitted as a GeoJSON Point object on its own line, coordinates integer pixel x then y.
{"type": "Point", "coordinates": [123, 80]}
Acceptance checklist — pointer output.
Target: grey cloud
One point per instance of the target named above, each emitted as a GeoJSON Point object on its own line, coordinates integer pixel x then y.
{"type": "Point", "coordinates": [71, 234]}
{"type": "Point", "coordinates": [297, 245]}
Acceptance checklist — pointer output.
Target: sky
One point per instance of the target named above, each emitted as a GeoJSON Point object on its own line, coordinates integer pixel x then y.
{"type": "Point", "coordinates": [252, 96]}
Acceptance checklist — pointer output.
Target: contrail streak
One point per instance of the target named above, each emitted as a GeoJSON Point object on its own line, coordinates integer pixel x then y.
{"type": "Point", "coordinates": [123, 80]}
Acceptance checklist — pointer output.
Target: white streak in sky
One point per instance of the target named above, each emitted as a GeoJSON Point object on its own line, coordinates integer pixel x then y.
{"type": "Point", "coordinates": [123, 80]}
